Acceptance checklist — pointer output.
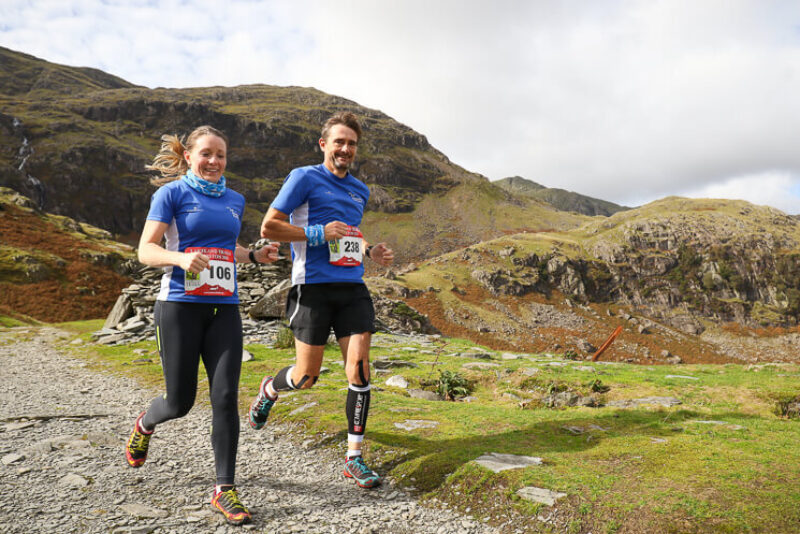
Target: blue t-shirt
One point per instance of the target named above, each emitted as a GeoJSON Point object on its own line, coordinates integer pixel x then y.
{"type": "Point", "coordinates": [314, 195]}
{"type": "Point", "coordinates": [196, 220]}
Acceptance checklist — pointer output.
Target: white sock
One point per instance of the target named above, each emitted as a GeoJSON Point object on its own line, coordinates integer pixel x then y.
{"type": "Point", "coordinates": [218, 488]}
{"type": "Point", "coordinates": [142, 429]}
{"type": "Point", "coordinates": [270, 392]}
{"type": "Point", "coordinates": [353, 452]}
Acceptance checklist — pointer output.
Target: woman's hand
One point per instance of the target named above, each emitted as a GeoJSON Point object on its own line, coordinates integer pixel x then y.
{"type": "Point", "coordinates": [268, 253]}
{"type": "Point", "coordinates": [193, 262]}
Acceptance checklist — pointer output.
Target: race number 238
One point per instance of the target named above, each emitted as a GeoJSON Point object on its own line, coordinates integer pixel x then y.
{"type": "Point", "coordinates": [347, 251]}
{"type": "Point", "coordinates": [218, 279]}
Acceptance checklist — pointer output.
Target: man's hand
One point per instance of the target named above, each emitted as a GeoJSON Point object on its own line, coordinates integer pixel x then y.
{"type": "Point", "coordinates": [336, 229]}
{"type": "Point", "coordinates": [381, 254]}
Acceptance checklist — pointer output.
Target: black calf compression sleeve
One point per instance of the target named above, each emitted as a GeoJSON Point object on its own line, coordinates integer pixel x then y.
{"type": "Point", "coordinates": [357, 409]}
{"type": "Point", "coordinates": [283, 380]}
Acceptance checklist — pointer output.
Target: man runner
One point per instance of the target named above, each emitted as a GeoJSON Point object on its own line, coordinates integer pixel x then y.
{"type": "Point", "coordinates": [319, 210]}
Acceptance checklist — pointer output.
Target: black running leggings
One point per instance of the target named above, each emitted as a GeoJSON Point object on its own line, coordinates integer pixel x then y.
{"type": "Point", "coordinates": [187, 331]}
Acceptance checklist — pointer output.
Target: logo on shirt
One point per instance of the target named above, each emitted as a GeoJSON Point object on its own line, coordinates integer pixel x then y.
{"type": "Point", "coordinates": [234, 213]}
{"type": "Point", "coordinates": [355, 197]}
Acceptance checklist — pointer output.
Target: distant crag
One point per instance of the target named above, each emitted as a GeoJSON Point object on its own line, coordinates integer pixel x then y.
{"type": "Point", "coordinates": [560, 198]}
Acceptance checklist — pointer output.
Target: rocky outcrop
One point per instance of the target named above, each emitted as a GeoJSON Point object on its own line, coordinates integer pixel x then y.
{"type": "Point", "coordinates": [680, 268]}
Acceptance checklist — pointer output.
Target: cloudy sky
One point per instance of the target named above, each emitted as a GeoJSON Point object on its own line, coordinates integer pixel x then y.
{"type": "Point", "coordinates": [624, 100]}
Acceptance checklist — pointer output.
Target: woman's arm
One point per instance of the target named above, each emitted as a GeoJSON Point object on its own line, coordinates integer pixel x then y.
{"type": "Point", "coordinates": [266, 254]}
{"type": "Point", "coordinates": [153, 254]}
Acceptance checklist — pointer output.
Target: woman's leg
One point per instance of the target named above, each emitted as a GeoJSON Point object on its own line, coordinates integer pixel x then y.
{"type": "Point", "coordinates": [222, 357]}
{"type": "Point", "coordinates": [179, 332]}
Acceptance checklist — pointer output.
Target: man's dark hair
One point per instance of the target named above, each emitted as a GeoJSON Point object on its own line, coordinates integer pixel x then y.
{"type": "Point", "coordinates": [346, 118]}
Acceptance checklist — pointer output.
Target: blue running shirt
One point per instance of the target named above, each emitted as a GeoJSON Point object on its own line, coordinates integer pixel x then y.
{"type": "Point", "coordinates": [314, 195]}
{"type": "Point", "coordinates": [196, 220]}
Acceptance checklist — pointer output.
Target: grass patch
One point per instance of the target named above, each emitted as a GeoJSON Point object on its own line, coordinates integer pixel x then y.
{"type": "Point", "coordinates": [722, 461]}
{"type": "Point", "coordinates": [11, 322]}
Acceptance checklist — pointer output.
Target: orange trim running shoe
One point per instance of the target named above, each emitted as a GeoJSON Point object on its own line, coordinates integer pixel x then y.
{"type": "Point", "coordinates": [138, 443]}
{"type": "Point", "coordinates": [356, 469]}
{"type": "Point", "coordinates": [228, 504]}
{"type": "Point", "coordinates": [259, 410]}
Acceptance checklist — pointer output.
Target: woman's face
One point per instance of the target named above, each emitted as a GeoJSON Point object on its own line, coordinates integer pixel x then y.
{"type": "Point", "coordinates": [207, 157]}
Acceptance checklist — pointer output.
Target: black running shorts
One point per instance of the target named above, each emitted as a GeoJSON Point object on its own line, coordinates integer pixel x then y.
{"type": "Point", "coordinates": [313, 309]}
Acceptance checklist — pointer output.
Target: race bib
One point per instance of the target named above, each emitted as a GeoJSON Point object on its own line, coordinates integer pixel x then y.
{"type": "Point", "coordinates": [347, 251]}
{"type": "Point", "coordinates": [218, 279]}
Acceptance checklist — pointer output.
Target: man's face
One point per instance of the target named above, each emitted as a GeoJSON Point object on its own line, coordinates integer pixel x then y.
{"type": "Point", "coordinates": [339, 148]}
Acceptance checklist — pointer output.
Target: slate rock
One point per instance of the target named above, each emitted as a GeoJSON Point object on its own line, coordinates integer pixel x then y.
{"type": "Point", "coordinates": [143, 511]}
{"type": "Point", "coordinates": [424, 394]}
{"type": "Point", "coordinates": [658, 401]}
{"type": "Point", "coordinates": [414, 424]}
{"type": "Point", "coordinates": [483, 366]}
{"type": "Point", "coordinates": [397, 381]}
{"type": "Point", "coordinates": [540, 495]}
{"type": "Point", "coordinates": [497, 462]}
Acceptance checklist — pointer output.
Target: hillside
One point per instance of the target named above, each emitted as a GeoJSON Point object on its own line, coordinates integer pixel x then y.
{"type": "Point", "coordinates": [53, 268]}
{"type": "Point", "coordinates": [462, 216]}
{"type": "Point", "coordinates": [674, 273]}
{"type": "Point", "coordinates": [559, 198]}
{"type": "Point", "coordinates": [76, 141]}
{"type": "Point", "coordinates": [26, 76]}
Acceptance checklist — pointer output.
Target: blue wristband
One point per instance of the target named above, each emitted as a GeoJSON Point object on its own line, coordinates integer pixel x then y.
{"type": "Point", "coordinates": [315, 235]}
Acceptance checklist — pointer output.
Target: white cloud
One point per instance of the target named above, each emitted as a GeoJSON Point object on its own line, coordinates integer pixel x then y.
{"type": "Point", "coordinates": [626, 100]}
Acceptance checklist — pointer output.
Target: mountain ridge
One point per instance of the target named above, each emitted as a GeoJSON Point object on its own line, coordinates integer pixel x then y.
{"type": "Point", "coordinates": [560, 198]}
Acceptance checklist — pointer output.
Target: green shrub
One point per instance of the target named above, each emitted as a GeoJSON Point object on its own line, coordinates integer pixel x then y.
{"type": "Point", "coordinates": [451, 385]}
{"type": "Point", "coordinates": [284, 338]}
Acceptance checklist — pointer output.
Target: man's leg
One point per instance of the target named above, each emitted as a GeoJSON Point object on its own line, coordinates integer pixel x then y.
{"type": "Point", "coordinates": [355, 351]}
{"type": "Point", "coordinates": [310, 322]}
{"type": "Point", "coordinates": [304, 373]}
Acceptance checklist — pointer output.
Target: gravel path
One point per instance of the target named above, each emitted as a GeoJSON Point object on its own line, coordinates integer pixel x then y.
{"type": "Point", "coordinates": [63, 427]}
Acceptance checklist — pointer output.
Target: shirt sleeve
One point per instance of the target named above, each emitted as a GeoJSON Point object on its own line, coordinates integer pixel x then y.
{"type": "Point", "coordinates": [161, 206]}
{"type": "Point", "coordinates": [293, 193]}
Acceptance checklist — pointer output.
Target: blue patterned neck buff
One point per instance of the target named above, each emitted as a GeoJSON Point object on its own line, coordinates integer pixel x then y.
{"type": "Point", "coordinates": [204, 186]}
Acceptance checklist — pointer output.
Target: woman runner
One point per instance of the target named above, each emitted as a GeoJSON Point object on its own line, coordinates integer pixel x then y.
{"type": "Point", "coordinates": [197, 310]}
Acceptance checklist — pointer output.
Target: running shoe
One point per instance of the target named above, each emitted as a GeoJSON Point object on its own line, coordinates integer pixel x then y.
{"type": "Point", "coordinates": [228, 504]}
{"type": "Point", "coordinates": [356, 469]}
{"type": "Point", "coordinates": [138, 443]}
{"type": "Point", "coordinates": [259, 410]}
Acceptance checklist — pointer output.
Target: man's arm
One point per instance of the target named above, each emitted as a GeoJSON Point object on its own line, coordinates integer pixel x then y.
{"type": "Point", "coordinates": [276, 226]}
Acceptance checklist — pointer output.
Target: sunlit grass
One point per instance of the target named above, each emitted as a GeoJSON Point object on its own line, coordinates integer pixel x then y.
{"type": "Point", "coordinates": [721, 461]}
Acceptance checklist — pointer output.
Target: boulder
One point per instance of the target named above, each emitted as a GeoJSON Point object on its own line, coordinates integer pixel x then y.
{"type": "Point", "coordinates": [273, 304]}
{"type": "Point", "coordinates": [123, 309]}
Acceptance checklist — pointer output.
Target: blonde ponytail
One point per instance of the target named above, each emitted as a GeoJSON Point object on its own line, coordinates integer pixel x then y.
{"type": "Point", "coordinates": [170, 161]}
